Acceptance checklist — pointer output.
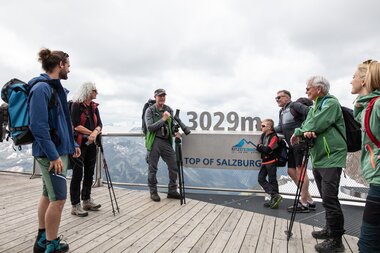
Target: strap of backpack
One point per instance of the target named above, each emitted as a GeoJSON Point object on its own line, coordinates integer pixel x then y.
{"type": "Point", "coordinates": [367, 117]}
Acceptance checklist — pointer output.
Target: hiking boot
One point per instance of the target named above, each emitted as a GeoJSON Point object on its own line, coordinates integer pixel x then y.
{"type": "Point", "coordinates": [57, 246]}
{"type": "Point", "coordinates": [78, 211]}
{"type": "Point", "coordinates": [174, 195]}
{"type": "Point", "coordinates": [154, 196]}
{"type": "Point", "coordinates": [90, 205]}
{"type": "Point", "coordinates": [39, 244]}
{"type": "Point", "coordinates": [275, 201]}
{"type": "Point", "coordinates": [322, 234]}
{"type": "Point", "coordinates": [330, 246]}
{"type": "Point", "coordinates": [301, 208]}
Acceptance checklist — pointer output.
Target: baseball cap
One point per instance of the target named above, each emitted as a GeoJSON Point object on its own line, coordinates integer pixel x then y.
{"type": "Point", "coordinates": [159, 92]}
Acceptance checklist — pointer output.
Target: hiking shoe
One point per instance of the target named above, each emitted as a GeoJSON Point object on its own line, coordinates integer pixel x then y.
{"type": "Point", "coordinates": [275, 201]}
{"type": "Point", "coordinates": [78, 211]}
{"type": "Point", "coordinates": [174, 195]}
{"type": "Point", "coordinates": [39, 244]}
{"type": "Point", "coordinates": [330, 246]}
{"type": "Point", "coordinates": [57, 245]}
{"type": "Point", "coordinates": [90, 205]}
{"type": "Point", "coordinates": [301, 208]}
{"type": "Point", "coordinates": [154, 196]}
{"type": "Point", "coordinates": [322, 234]}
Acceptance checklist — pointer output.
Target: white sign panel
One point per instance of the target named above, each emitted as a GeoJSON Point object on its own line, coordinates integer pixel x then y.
{"type": "Point", "coordinates": [222, 150]}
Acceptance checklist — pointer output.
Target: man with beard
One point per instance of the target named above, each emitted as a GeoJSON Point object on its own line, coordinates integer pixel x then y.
{"type": "Point", "coordinates": [159, 143]}
{"type": "Point", "coordinates": [52, 130]}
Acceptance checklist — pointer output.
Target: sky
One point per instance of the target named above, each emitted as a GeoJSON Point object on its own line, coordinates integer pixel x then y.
{"type": "Point", "coordinates": [209, 55]}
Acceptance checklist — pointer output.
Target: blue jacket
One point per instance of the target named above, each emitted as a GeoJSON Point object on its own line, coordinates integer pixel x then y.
{"type": "Point", "coordinates": [51, 128]}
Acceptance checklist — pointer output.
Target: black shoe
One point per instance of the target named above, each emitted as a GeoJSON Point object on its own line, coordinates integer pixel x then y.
{"type": "Point", "coordinates": [154, 196]}
{"type": "Point", "coordinates": [330, 246]}
{"type": "Point", "coordinates": [299, 209]}
{"type": "Point", "coordinates": [39, 244]}
{"type": "Point", "coordinates": [312, 206]}
{"type": "Point", "coordinates": [322, 234]}
{"type": "Point", "coordinates": [174, 195]}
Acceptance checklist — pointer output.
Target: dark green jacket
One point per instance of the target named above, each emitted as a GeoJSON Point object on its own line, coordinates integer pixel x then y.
{"type": "Point", "coordinates": [370, 157]}
{"type": "Point", "coordinates": [326, 120]}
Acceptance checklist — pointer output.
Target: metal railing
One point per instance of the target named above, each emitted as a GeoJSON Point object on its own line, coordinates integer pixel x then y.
{"type": "Point", "coordinates": [347, 189]}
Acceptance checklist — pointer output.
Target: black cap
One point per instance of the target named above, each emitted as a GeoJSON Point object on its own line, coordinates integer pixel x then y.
{"type": "Point", "coordinates": [159, 92]}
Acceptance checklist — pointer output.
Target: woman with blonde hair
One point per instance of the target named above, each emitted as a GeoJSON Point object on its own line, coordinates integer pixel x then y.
{"type": "Point", "coordinates": [87, 126]}
{"type": "Point", "coordinates": [366, 83]}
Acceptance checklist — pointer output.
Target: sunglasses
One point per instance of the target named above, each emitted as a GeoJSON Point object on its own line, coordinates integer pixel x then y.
{"type": "Point", "coordinates": [262, 126]}
{"type": "Point", "coordinates": [96, 91]}
{"type": "Point", "coordinates": [278, 97]}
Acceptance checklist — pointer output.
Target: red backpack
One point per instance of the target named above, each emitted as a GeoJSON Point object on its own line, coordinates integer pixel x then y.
{"type": "Point", "coordinates": [366, 122]}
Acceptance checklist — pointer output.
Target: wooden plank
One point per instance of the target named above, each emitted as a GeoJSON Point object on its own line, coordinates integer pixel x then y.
{"type": "Point", "coordinates": [308, 240]}
{"type": "Point", "coordinates": [266, 236]}
{"type": "Point", "coordinates": [212, 231]}
{"type": "Point", "coordinates": [351, 243]}
{"type": "Point", "coordinates": [225, 233]}
{"type": "Point", "coordinates": [280, 243]}
{"type": "Point", "coordinates": [239, 232]}
{"type": "Point", "coordinates": [185, 238]}
{"type": "Point", "coordinates": [253, 234]}
{"type": "Point", "coordinates": [171, 231]}
{"type": "Point", "coordinates": [295, 242]}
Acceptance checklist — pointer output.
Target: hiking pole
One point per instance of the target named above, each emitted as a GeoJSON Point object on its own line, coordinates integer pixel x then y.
{"type": "Point", "coordinates": [108, 177]}
{"type": "Point", "coordinates": [181, 181]}
{"type": "Point", "coordinates": [299, 187]}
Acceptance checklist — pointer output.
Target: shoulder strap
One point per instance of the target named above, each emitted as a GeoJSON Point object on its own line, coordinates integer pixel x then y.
{"type": "Point", "coordinates": [367, 127]}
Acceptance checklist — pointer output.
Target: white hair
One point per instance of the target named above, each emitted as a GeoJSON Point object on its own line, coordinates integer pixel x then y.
{"type": "Point", "coordinates": [84, 92]}
{"type": "Point", "coordinates": [319, 81]}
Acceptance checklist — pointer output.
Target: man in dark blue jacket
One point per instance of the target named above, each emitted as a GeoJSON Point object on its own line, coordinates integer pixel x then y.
{"type": "Point", "coordinates": [53, 144]}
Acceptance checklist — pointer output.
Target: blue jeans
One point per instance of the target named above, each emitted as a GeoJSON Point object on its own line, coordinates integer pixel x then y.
{"type": "Point", "coordinates": [370, 229]}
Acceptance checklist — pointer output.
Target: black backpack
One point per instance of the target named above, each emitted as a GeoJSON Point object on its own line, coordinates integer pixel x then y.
{"type": "Point", "coordinates": [353, 130]}
{"type": "Point", "coordinates": [282, 153]}
{"type": "Point", "coordinates": [297, 115]}
{"type": "Point", "coordinates": [146, 106]}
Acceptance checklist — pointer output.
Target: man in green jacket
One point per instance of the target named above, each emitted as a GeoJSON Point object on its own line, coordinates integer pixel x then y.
{"type": "Point", "coordinates": [159, 143]}
{"type": "Point", "coordinates": [325, 125]}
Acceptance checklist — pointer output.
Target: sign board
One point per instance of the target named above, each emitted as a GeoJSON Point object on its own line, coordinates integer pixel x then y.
{"type": "Point", "coordinates": [221, 150]}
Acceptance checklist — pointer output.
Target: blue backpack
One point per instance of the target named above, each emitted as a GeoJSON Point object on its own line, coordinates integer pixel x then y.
{"type": "Point", "coordinates": [15, 93]}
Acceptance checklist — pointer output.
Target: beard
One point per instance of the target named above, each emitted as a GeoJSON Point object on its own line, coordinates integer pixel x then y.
{"type": "Point", "coordinates": [62, 74]}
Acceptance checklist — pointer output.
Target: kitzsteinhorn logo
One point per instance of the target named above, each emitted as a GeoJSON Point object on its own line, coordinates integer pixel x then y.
{"type": "Point", "coordinates": [244, 146]}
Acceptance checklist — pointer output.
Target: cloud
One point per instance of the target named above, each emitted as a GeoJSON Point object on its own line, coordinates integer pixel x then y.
{"type": "Point", "coordinates": [208, 55]}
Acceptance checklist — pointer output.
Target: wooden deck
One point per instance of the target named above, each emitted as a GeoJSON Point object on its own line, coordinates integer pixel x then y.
{"type": "Point", "coordinates": [147, 226]}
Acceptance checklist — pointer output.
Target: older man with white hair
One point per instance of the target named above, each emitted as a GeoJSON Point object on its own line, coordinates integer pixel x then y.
{"type": "Point", "coordinates": [325, 125]}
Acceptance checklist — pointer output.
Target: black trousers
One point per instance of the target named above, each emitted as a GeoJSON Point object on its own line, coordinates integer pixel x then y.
{"type": "Point", "coordinates": [328, 180]}
{"type": "Point", "coordinates": [270, 186]}
{"type": "Point", "coordinates": [83, 167]}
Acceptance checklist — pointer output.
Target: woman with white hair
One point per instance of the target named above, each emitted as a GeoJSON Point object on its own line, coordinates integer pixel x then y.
{"type": "Point", "coordinates": [325, 125]}
{"type": "Point", "coordinates": [87, 126]}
